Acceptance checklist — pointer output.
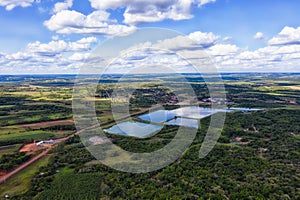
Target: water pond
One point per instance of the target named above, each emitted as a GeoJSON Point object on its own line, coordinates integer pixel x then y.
{"type": "Point", "coordinates": [158, 116]}
{"type": "Point", "coordinates": [136, 129]}
{"type": "Point", "coordinates": [193, 123]}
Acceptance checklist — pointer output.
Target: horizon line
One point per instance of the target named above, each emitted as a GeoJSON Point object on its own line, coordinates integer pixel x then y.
{"type": "Point", "coordinates": [250, 72]}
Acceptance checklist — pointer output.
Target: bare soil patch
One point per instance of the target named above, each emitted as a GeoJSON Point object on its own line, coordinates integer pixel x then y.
{"type": "Point", "coordinates": [31, 148]}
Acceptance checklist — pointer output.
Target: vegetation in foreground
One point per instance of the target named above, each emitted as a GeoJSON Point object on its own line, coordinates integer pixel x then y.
{"type": "Point", "coordinates": [257, 156]}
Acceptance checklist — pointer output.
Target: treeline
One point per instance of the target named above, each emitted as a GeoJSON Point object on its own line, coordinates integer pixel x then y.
{"type": "Point", "coordinates": [9, 162]}
{"type": "Point", "coordinates": [70, 127]}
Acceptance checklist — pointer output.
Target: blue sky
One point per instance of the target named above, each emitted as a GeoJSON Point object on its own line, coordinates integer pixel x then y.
{"type": "Point", "coordinates": [241, 31]}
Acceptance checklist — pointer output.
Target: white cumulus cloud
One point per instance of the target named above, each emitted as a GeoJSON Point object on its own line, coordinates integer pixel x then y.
{"type": "Point", "coordinates": [49, 57]}
{"type": "Point", "coordinates": [204, 39]}
{"type": "Point", "coordinates": [98, 22]}
{"type": "Point", "coordinates": [223, 49]}
{"type": "Point", "coordinates": [11, 4]}
{"type": "Point", "coordinates": [203, 2]}
{"type": "Point", "coordinates": [60, 46]}
{"type": "Point", "coordinates": [139, 11]}
{"type": "Point", "coordinates": [66, 21]}
{"type": "Point", "coordinates": [259, 36]}
{"type": "Point", "coordinates": [288, 35]}
{"type": "Point", "coordinates": [62, 6]}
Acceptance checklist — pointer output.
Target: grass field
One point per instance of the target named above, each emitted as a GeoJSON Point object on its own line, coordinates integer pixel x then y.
{"type": "Point", "coordinates": [23, 137]}
{"type": "Point", "coordinates": [20, 183]}
{"type": "Point", "coordinates": [42, 93]}
{"type": "Point", "coordinates": [11, 130]}
{"type": "Point", "coordinates": [32, 117]}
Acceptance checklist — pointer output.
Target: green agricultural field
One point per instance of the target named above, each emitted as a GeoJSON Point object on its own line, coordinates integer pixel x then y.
{"type": "Point", "coordinates": [7, 130]}
{"type": "Point", "coordinates": [24, 137]}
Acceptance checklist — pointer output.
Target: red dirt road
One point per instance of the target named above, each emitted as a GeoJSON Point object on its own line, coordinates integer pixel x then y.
{"type": "Point", "coordinates": [48, 123]}
{"type": "Point", "coordinates": [23, 166]}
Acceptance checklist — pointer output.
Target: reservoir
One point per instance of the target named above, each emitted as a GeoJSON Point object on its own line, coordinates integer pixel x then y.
{"type": "Point", "coordinates": [185, 116]}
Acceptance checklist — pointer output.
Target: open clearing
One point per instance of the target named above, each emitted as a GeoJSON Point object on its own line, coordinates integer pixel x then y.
{"type": "Point", "coordinates": [31, 148]}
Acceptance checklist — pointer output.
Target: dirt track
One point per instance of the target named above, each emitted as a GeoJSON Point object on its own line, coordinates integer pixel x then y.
{"type": "Point", "coordinates": [48, 123]}
{"type": "Point", "coordinates": [23, 166]}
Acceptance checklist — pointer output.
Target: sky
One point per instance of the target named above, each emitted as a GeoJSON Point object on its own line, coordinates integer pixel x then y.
{"type": "Point", "coordinates": [50, 36]}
